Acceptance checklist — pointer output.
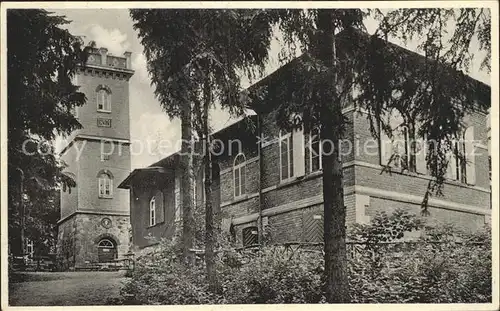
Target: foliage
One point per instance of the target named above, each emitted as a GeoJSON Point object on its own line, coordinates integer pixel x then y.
{"type": "Point", "coordinates": [275, 276]}
{"type": "Point", "coordinates": [161, 277]}
{"type": "Point", "coordinates": [184, 47]}
{"type": "Point", "coordinates": [425, 269]}
{"type": "Point", "coordinates": [194, 58]}
{"type": "Point", "coordinates": [42, 59]}
{"type": "Point", "coordinates": [443, 265]}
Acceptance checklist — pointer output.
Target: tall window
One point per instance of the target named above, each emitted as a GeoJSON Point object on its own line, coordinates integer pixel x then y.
{"type": "Point", "coordinates": [239, 175]}
{"type": "Point", "coordinates": [105, 185]}
{"type": "Point", "coordinates": [315, 161]}
{"type": "Point", "coordinates": [103, 99]}
{"type": "Point", "coordinates": [152, 211]}
{"type": "Point", "coordinates": [394, 150]}
{"type": "Point", "coordinates": [462, 168]}
{"type": "Point", "coordinates": [286, 156]}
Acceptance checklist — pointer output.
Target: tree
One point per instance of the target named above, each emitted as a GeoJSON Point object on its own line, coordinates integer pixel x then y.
{"type": "Point", "coordinates": [428, 94]}
{"type": "Point", "coordinates": [338, 54]}
{"type": "Point", "coordinates": [194, 57]}
{"type": "Point", "coordinates": [42, 59]}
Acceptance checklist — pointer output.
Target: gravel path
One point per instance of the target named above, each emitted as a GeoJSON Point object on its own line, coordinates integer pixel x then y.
{"type": "Point", "coordinates": [64, 288]}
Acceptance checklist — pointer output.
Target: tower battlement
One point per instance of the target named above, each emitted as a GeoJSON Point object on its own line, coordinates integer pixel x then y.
{"type": "Point", "coordinates": [101, 57]}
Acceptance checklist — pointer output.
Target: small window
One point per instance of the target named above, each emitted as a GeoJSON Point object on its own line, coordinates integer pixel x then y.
{"type": "Point", "coordinates": [103, 99]}
{"type": "Point", "coordinates": [286, 156]}
{"type": "Point", "coordinates": [239, 175]}
{"type": "Point", "coordinates": [105, 185]}
{"type": "Point", "coordinates": [250, 236]}
{"type": "Point", "coordinates": [315, 151]}
{"type": "Point", "coordinates": [152, 211]}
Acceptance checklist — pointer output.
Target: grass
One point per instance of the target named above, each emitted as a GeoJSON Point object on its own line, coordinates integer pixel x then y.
{"type": "Point", "coordinates": [64, 288]}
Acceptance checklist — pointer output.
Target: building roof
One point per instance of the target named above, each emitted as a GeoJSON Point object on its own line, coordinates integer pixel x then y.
{"type": "Point", "coordinates": [171, 161]}
{"type": "Point", "coordinates": [347, 39]}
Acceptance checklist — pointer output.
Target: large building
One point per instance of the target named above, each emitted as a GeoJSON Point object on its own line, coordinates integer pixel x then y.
{"type": "Point", "coordinates": [273, 185]}
{"type": "Point", "coordinates": [94, 225]}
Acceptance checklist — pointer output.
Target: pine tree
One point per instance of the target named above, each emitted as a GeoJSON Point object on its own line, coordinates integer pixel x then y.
{"type": "Point", "coordinates": [42, 58]}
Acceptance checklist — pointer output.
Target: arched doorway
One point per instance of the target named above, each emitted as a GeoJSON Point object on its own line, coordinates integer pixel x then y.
{"type": "Point", "coordinates": [106, 250]}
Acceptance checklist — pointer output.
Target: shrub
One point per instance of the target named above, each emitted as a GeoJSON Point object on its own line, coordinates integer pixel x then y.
{"type": "Point", "coordinates": [161, 277]}
{"type": "Point", "coordinates": [277, 276]}
{"type": "Point", "coordinates": [443, 265]}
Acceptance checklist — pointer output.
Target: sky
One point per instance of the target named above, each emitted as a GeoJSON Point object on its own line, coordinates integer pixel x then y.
{"type": "Point", "coordinates": [113, 29]}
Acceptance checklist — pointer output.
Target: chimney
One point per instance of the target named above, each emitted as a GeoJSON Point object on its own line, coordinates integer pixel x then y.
{"type": "Point", "coordinates": [128, 56]}
{"type": "Point", "coordinates": [104, 53]}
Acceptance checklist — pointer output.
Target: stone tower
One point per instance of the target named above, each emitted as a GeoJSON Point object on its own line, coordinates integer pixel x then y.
{"type": "Point", "coordinates": [94, 224]}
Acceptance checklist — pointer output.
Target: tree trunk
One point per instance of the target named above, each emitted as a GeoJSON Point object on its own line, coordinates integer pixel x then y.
{"type": "Point", "coordinates": [186, 183]}
{"type": "Point", "coordinates": [209, 214]}
{"type": "Point", "coordinates": [336, 281]}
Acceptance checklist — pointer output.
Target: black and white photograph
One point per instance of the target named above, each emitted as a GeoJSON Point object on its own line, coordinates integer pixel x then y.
{"type": "Point", "coordinates": [226, 153]}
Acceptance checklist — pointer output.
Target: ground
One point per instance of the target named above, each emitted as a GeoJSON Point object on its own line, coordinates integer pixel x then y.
{"type": "Point", "coordinates": [64, 288]}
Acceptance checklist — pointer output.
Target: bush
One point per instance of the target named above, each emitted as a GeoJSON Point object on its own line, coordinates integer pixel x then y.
{"type": "Point", "coordinates": [443, 265]}
{"type": "Point", "coordinates": [161, 278]}
{"type": "Point", "coordinates": [277, 276]}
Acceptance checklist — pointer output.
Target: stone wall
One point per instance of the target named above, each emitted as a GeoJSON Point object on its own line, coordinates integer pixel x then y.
{"type": "Point", "coordinates": [80, 234]}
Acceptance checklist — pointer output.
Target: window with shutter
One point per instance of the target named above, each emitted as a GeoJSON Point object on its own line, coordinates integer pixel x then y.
{"type": "Point", "coordinates": [286, 156]}
{"type": "Point", "coordinates": [152, 212]}
{"type": "Point", "coordinates": [394, 151]}
{"type": "Point", "coordinates": [298, 152]}
{"type": "Point", "coordinates": [159, 208]}
{"type": "Point", "coordinates": [177, 200]}
{"type": "Point", "coordinates": [470, 157]}
{"type": "Point", "coordinates": [239, 176]}
{"type": "Point", "coordinates": [315, 159]}
{"type": "Point", "coordinates": [421, 152]}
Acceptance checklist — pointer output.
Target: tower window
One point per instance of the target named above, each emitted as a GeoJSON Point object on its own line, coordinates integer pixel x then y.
{"type": "Point", "coordinates": [105, 185]}
{"type": "Point", "coordinates": [103, 99]}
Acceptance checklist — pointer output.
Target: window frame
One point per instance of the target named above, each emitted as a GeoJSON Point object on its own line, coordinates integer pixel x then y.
{"type": "Point", "coordinates": [105, 99]}
{"type": "Point", "coordinates": [152, 211]}
{"type": "Point", "coordinates": [288, 137]}
{"type": "Point", "coordinates": [460, 164]}
{"type": "Point", "coordinates": [320, 147]}
{"type": "Point", "coordinates": [237, 169]}
{"type": "Point", "coordinates": [102, 183]}
{"type": "Point", "coordinates": [106, 246]}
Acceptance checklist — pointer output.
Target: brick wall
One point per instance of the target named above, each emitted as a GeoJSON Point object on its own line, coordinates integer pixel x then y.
{"type": "Point", "coordinates": [369, 172]}
{"type": "Point", "coordinates": [90, 165]}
